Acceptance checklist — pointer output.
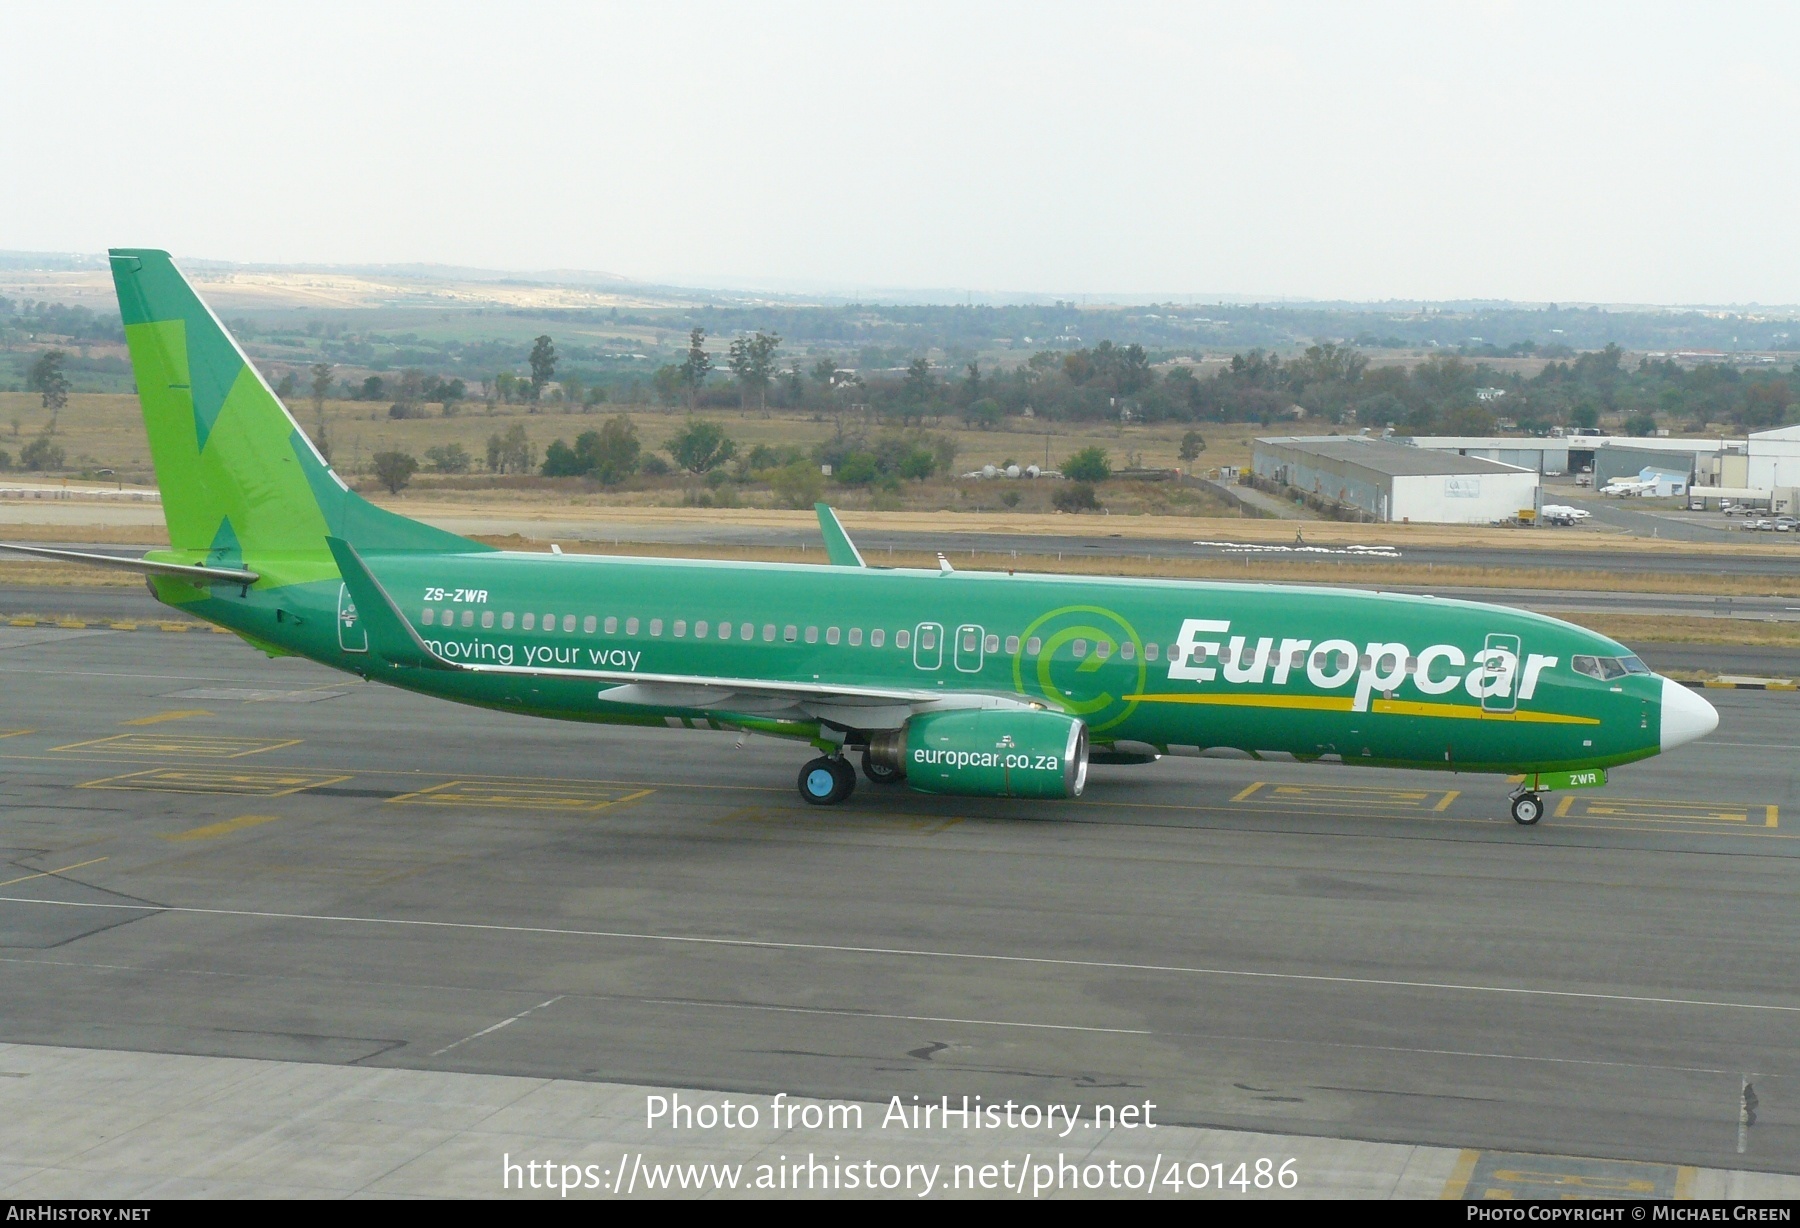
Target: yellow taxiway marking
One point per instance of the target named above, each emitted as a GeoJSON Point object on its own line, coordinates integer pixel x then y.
{"type": "Point", "coordinates": [47, 873]}
{"type": "Point", "coordinates": [243, 782]}
{"type": "Point", "coordinates": [186, 746]}
{"type": "Point", "coordinates": [178, 714]}
{"type": "Point", "coordinates": [521, 795]}
{"type": "Point", "coordinates": [1436, 800]}
{"type": "Point", "coordinates": [1665, 810]}
{"type": "Point", "coordinates": [213, 830]}
{"type": "Point", "coordinates": [1458, 1184]}
{"type": "Point", "coordinates": [13, 733]}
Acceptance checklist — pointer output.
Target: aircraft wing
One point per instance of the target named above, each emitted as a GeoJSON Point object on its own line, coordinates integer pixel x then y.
{"type": "Point", "coordinates": [853, 706]}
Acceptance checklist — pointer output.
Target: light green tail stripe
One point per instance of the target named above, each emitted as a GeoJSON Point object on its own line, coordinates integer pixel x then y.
{"type": "Point", "coordinates": [240, 481]}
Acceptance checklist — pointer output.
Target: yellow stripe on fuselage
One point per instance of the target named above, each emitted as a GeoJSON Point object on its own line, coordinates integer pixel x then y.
{"type": "Point", "coordinates": [1387, 707]}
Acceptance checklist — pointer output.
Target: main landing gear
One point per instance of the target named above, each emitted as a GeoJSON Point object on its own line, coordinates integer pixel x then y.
{"type": "Point", "coordinates": [827, 780]}
{"type": "Point", "coordinates": [1527, 807]}
{"type": "Point", "coordinates": [878, 773]}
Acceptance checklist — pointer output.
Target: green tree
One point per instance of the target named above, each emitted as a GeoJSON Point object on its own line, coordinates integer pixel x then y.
{"type": "Point", "coordinates": [285, 389]}
{"type": "Point", "coordinates": [41, 454]}
{"type": "Point", "coordinates": [543, 365]}
{"type": "Point", "coordinates": [752, 361]}
{"type": "Point", "coordinates": [1192, 445]}
{"type": "Point", "coordinates": [825, 373]}
{"type": "Point", "coordinates": [701, 445]}
{"type": "Point", "coordinates": [372, 388]}
{"type": "Point", "coordinates": [321, 388]}
{"type": "Point", "coordinates": [972, 385]}
{"type": "Point", "coordinates": [694, 368]}
{"type": "Point", "coordinates": [509, 453]}
{"type": "Point", "coordinates": [47, 378]}
{"type": "Point", "coordinates": [449, 458]}
{"type": "Point", "coordinates": [857, 469]}
{"type": "Point", "coordinates": [919, 388]}
{"type": "Point", "coordinates": [394, 469]}
{"type": "Point", "coordinates": [1088, 465]}
{"type": "Point", "coordinates": [1641, 424]}
{"type": "Point", "coordinates": [1584, 416]}
{"type": "Point", "coordinates": [797, 484]}
{"type": "Point", "coordinates": [612, 452]}
{"type": "Point", "coordinates": [1075, 497]}
{"type": "Point", "coordinates": [561, 461]}
{"type": "Point", "coordinates": [984, 414]}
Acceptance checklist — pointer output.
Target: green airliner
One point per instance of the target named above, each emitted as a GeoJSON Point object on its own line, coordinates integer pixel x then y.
{"type": "Point", "coordinates": [977, 683]}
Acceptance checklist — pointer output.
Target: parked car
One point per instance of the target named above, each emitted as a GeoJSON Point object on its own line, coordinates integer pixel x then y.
{"type": "Point", "coordinates": [1785, 524]}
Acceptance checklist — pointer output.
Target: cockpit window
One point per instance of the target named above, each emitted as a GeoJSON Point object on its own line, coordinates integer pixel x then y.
{"type": "Point", "coordinates": [1610, 668]}
{"type": "Point", "coordinates": [1607, 668]}
{"type": "Point", "coordinates": [1585, 665]}
{"type": "Point", "coordinates": [1634, 666]}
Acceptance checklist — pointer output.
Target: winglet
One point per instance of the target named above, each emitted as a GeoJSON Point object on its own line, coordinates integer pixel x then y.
{"type": "Point", "coordinates": [838, 546]}
{"type": "Point", "coordinates": [390, 635]}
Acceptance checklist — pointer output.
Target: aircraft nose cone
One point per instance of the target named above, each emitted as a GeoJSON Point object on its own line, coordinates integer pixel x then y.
{"type": "Point", "coordinates": [1685, 716]}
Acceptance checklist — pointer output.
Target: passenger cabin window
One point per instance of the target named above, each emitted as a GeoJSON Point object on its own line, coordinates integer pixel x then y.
{"type": "Point", "coordinates": [506, 621]}
{"type": "Point", "coordinates": [1034, 645]}
{"type": "Point", "coordinates": [901, 638]}
{"type": "Point", "coordinates": [768, 633]}
{"type": "Point", "coordinates": [590, 624]}
{"type": "Point", "coordinates": [487, 619]}
{"type": "Point", "coordinates": [855, 637]}
{"type": "Point", "coordinates": [468, 618]}
{"type": "Point", "coordinates": [1102, 649]}
{"type": "Point", "coordinates": [991, 644]}
{"type": "Point", "coordinates": [831, 635]}
{"type": "Point", "coordinates": [1012, 644]}
{"type": "Point", "coordinates": [529, 622]}
{"type": "Point", "coordinates": [656, 626]}
{"type": "Point", "coordinates": [877, 636]}
{"type": "Point", "coordinates": [612, 626]}
{"type": "Point", "coordinates": [1127, 650]}
{"type": "Point", "coordinates": [724, 630]}
{"type": "Point", "coordinates": [428, 616]}
{"type": "Point", "coordinates": [700, 629]}
{"type": "Point", "coordinates": [790, 633]}
{"type": "Point", "coordinates": [568, 622]}
{"type": "Point", "coordinates": [631, 626]}
{"type": "Point", "coordinates": [680, 628]}
{"type": "Point", "coordinates": [1150, 652]}
{"type": "Point", "coordinates": [1080, 649]}
{"type": "Point", "coordinates": [812, 635]}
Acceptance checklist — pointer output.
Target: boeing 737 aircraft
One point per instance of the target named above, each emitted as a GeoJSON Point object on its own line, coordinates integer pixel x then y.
{"type": "Point", "coordinates": [985, 684]}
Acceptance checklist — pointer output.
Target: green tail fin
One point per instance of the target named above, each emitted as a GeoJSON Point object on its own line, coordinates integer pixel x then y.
{"type": "Point", "coordinates": [240, 480]}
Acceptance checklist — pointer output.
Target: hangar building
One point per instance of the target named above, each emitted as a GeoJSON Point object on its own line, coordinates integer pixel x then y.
{"type": "Point", "coordinates": [1391, 481]}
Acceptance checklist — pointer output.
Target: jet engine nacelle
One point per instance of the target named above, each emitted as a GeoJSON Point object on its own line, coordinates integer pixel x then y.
{"type": "Point", "coordinates": [989, 752]}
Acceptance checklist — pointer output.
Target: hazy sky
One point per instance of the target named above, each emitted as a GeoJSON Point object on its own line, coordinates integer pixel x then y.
{"type": "Point", "coordinates": [1569, 152]}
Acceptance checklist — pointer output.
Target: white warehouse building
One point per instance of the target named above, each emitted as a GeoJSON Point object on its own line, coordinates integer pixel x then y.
{"type": "Point", "coordinates": [1394, 482]}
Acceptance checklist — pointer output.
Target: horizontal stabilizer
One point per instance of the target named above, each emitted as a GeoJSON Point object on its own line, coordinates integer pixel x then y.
{"type": "Point", "coordinates": [186, 571]}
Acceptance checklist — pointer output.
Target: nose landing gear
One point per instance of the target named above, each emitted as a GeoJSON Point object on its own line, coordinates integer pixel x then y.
{"type": "Point", "coordinates": [827, 780]}
{"type": "Point", "coordinates": [1527, 807]}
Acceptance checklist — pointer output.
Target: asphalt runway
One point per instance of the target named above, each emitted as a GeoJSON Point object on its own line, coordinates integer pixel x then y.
{"type": "Point", "coordinates": [212, 853]}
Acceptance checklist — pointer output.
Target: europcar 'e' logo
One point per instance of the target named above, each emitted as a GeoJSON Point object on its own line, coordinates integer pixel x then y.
{"type": "Point", "coordinates": [1089, 685]}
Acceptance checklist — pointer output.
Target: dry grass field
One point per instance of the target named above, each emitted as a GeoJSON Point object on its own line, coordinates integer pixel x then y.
{"type": "Point", "coordinates": [106, 431]}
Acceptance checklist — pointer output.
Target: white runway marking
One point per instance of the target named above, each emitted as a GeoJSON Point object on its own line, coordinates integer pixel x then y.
{"type": "Point", "coordinates": [1104, 965]}
{"type": "Point", "coordinates": [496, 1027]}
